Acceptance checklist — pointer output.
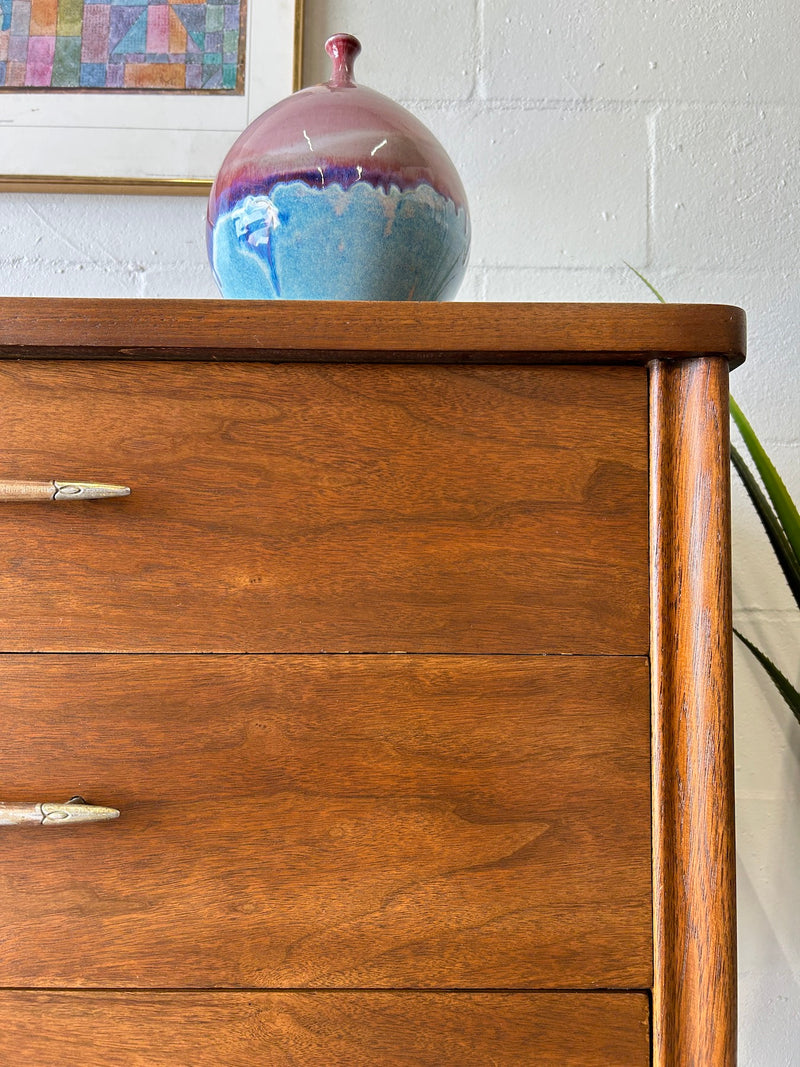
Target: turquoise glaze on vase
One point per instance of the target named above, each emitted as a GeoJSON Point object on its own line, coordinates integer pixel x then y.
{"type": "Point", "coordinates": [338, 193]}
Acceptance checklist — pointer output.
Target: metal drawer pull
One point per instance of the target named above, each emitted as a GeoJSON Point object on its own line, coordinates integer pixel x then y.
{"type": "Point", "coordinates": [44, 491]}
{"type": "Point", "coordinates": [73, 810]}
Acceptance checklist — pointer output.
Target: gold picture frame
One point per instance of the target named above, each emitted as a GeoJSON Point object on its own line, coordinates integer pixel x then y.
{"type": "Point", "coordinates": [151, 186]}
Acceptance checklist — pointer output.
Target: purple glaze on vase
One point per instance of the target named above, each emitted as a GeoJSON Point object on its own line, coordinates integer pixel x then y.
{"type": "Point", "coordinates": [298, 165]}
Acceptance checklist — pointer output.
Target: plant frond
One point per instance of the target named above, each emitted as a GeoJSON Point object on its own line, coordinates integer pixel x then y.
{"type": "Point", "coordinates": [780, 681]}
{"type": "Point", "coordinates": [777, 538]}
{"type": "Point", "coordinates": [649, 285]}
{"type": "Point", "coordinates": [777, 492]}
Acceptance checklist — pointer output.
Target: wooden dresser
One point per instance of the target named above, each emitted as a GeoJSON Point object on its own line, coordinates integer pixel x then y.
{"type": "Point", "coordinates": [406, 663]}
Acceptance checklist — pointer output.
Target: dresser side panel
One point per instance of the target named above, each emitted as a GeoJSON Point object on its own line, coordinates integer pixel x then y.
{"type": "Point", "coordinates": [694, 1003]}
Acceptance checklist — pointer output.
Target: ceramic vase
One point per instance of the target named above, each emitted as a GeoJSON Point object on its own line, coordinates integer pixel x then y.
{"type": "Point", "coordinates": [338, 193]}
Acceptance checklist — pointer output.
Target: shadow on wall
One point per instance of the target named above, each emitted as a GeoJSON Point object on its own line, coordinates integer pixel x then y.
{"type": "Point", "coordinates": [768, 842]}
{"type": "Point", "coordinates": [769, 985]}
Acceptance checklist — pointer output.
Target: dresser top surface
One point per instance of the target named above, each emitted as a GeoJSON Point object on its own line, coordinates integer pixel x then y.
{"type": "Point", "coordinates": [369, 332]}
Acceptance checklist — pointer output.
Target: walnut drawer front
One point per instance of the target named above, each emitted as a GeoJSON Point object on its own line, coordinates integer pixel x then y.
{"type": "Point", "coordinates": [318, 507]}
{"type": "Point", "coordinates": [329, 821]}
{"type": "Point", "coordinates": [323, 1029]}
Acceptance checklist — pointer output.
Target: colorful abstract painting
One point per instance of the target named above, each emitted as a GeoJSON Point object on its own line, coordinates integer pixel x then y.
{"type": "Point", "coordinates": [135, 45]}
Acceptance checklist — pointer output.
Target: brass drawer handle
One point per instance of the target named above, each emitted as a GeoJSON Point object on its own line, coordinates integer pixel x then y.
{"type": "Point", "coordinates": [74, 810]}
{"type": "Point", "coordinates": [34, 492]}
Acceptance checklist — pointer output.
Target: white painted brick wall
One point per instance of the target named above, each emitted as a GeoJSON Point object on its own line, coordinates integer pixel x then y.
{"type": "Point", "coordinates": [713, 202]}
{"type": "Point", "coordinates": [641, 50]}
{"type": "Point", "coordinates": [525, 170]}
{"type": "Point", "coordinates": [655, 131]}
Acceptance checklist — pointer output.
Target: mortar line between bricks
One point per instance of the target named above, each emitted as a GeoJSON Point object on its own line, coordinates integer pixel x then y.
{"type": "Point", "coordinates": [652, 141]}
{"type": "Point", "coordinates": [479, 86]}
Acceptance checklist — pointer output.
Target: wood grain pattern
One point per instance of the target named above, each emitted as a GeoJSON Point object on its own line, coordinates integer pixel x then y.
{"type": "Point", "coordinates": [694, 999]}
{"type": "Point", "coordinates": [334, 821]}
{"type": "Point", "coordinates": [308, 508]}
{"type": "Point", "coordinates": [324, 1029]}
{"type": "Point", "coordinates": [382, 332]}
{"type": "Point", "coordinates": [411, 823]}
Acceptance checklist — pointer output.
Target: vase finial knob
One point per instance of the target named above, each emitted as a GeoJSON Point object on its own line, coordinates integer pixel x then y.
{"type": "Point", "coordinates": [343, 49]}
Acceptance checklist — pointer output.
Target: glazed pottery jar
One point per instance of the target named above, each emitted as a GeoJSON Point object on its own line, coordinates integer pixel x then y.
{"type": "Point", "coordinates": [338, 193]}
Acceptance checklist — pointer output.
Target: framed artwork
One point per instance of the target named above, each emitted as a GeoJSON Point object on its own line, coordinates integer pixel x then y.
{"type": "Point", "coordinates": [136, 95]}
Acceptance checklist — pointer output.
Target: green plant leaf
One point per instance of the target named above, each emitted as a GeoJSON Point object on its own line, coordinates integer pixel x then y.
{"type": "Point", "coordinates": [776, 491]}
{"type": "Point", "coordinates": [780, 520]}
{"type": "Point", "coordinates": [777, 538]}
{"type": "Point", "coordinates": [781, 682]}
{"type": "Point", "coordinates": [649, 285]}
